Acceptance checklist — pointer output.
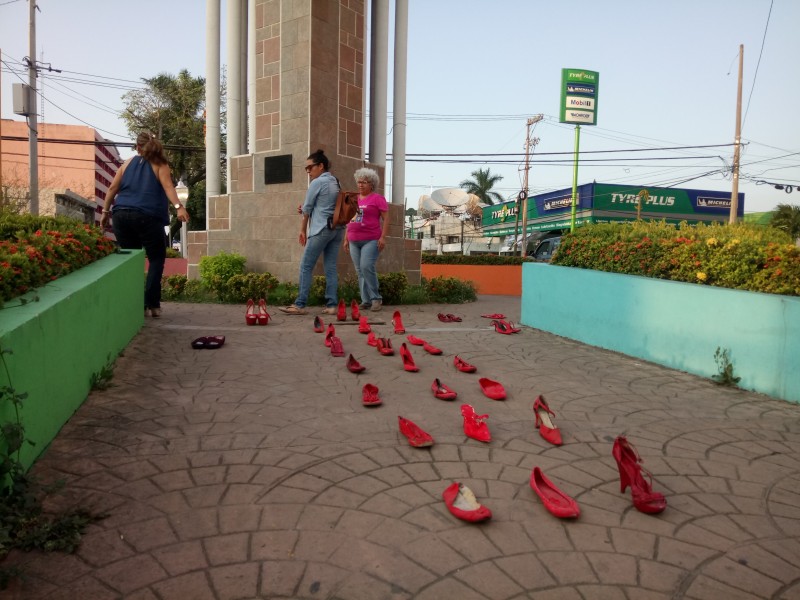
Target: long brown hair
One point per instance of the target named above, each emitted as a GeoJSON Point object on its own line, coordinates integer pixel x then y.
{"type": "Point", "coordinates": [150, 148]}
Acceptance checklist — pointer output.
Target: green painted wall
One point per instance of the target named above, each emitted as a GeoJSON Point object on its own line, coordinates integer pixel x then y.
{"type": "Point", "coordinates": [80, 322]}
{"type": "Point", "coordinates": [678, 325]}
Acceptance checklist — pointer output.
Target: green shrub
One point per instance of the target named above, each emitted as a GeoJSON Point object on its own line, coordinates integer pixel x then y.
{"type": "Point", "coordinates": [283, 294]}
{"type": "Point", "coordinates": [215, 271]}
{"type": "Point", "coordinates": [392, 286]}
{"type": "Point", "coordinates": [415, 294]}
{"type": "Point", "coordinates": [37, 250]}
{"type": "Point", "coordinates": [240, 288]}
{"type": "Point", "coordinates": [449, 290]}
{"type": "Point", "coordinates": [172, 253]}
{"type": "Point", "coordinates": [472, 259]}
{"type": "Point", "coordinates": [737, 256]}
{"type": "Point", "coordinates": [173, 287]}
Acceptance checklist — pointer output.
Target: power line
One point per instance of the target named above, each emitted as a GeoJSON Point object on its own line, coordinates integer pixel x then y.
{"type": "Point", "coordinates": [760, 53]}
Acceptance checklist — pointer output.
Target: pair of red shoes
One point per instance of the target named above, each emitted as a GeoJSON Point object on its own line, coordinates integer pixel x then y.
{"type": "Point", "coordinates": [630, 474]}
{"type": "Point", "coordinates": [341, 311]}
{"type": "Point", "coordinates": [448, 318]}
{"type": "Point", "coordinates": [211, 342]}
{"type": "Point", "coordinates": [430, 349]}
{"type": "Point", "coordinates": [384, 345]}
{"type": "Point", "coordinates": [505, 327]}
{"type": "Point", "coordinates": [256, 316]}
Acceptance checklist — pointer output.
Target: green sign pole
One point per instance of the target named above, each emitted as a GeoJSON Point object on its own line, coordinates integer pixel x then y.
{"type": "Point", "coordinates": [575, 178]}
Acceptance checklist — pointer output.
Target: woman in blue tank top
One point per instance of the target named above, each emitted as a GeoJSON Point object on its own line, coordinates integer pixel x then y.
{"type": "Point", "coordinates": [143, 190]}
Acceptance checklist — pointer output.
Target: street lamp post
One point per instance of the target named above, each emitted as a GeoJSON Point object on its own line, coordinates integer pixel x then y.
{"type": "Point", "coordinates": [183, 195]}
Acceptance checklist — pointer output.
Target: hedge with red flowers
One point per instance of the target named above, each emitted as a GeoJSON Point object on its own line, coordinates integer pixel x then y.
{"type": "Point", "coordinates": [37, 250]}
{"type": "Point", "coordinates": [739, 256]}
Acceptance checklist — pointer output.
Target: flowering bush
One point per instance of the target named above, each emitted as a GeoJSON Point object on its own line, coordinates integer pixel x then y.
{"type": "Point", "coordinates": [739, 256]}
{"type": "Point", "coordinates": [449, 290]}
{"type": "Point", "coordinates": [37, 250]}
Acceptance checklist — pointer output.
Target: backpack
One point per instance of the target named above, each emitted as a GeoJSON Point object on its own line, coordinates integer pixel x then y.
{"type": "Point", "coordinates": [345, 209]}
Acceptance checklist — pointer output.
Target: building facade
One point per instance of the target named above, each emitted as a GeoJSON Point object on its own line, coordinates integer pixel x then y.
{"type": "Point", "coordinates": [72, 158]}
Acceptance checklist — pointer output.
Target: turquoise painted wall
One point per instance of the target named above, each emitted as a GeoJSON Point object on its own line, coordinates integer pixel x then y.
{"type": "Point", "coordinates": [678, 325]}
{"type": "Point", "coordinates": [79, 323]}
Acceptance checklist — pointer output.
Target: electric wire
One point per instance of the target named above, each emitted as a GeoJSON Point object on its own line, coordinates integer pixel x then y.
{"type": "Point", "coordinates": [758, 64]}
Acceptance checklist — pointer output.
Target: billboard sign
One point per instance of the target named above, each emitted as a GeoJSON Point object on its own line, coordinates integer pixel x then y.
{"type": "Point", "coordinates": [579, 89]}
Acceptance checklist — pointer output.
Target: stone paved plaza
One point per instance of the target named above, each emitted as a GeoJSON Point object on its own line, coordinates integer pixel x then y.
{"type": "Point", "coordinates": [253, 471]}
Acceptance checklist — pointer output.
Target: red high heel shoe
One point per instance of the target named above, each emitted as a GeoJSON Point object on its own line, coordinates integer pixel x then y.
{"type": "Point", "coordinates": [442, 392]}
{"type": "Point", "coordinates": [336, 346]}
{"type": "Point", "coordinates": [416, 436]}
{"type": "Point", "coordinates": [505, 327]}
{"type": "Point", "coordinates": [355, 313]}
{"type": "Point", "coordinates": [363, 325]}
{"type": "Point", "coordinates": [463, 504]}
{"type": "Point", "coordinates": [372, 340]}
{"type": "Point", "coordinates": [341, 311]}
{"type": "Point", "coordinates": [431, 349]}
{"type": "Point", "coordinates": [475, 425]}
{"type": "Point", "coordinates": [408, 360]}
{"type": "Point", "coordinates": [319, 326]}
{"type": "Point", "coordinates": [554, 500]}
{"type": "Point", "coordinates": [463, 365]}
{"type": "Point", "coordinates": [397, 321]}
{"type": "Point", "coordinates": [354, 366]}
{"type": "Point", "coordinates": [250, 316]}
{"type": "Point", "coordinates": [544, 424]}
{"type": "Point", "coordinates": [492, 389]}
{"type": "Point", "coordinates": [415, 340]}
{"type": "Point", "coordinates": [331, 333]}
{"type": "Point", "coordinates": [263, 315]}
{"type": "Point", "coordinates": [630, 474]}
{"type": "Point", "coordinates": [369, 395]}
{"type": "Point", "coordinates": [385, 346]}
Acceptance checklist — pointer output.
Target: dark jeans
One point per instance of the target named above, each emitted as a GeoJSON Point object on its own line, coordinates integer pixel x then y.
{"type": "Point", "coordinates": [136, 230]}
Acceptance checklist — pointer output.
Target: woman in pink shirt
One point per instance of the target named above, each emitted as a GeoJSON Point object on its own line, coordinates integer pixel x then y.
{"type": "Point", "coordinates": [365, 237]}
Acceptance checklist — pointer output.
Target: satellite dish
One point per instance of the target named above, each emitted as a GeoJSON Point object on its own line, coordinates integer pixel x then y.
{"type": "Point", "coordinates": [450, 196]}
{"type": "Point", "coordinates": [425, 202]}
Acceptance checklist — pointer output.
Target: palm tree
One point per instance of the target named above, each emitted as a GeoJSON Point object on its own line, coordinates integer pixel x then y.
{"type": "Point", "coordinates": [481, 185]}
{"type": "Point", "coordinates": [786, 217]}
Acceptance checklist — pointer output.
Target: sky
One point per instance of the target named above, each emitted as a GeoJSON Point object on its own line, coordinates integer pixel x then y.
{"type": "Point", "coordinates": [477, 70]}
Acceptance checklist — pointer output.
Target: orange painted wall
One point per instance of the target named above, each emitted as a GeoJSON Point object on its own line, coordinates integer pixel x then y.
{"type": "Point", "coordinates": [503, 280]}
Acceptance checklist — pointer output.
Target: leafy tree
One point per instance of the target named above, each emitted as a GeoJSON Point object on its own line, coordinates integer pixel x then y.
{"type": "Point", "coordinates": [411, 212]}
{"type": "Point", "coordinates": [481, 185]}
{"type": "Point", "coordinates": [786, 217]}
{"type": "Point", "coordinates": [172, 107]}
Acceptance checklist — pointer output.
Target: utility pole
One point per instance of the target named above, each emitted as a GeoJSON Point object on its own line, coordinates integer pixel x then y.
{"type": "Point", "coordinates": [33, 135]}
{"type": "Point", "coordinates": [737, 149]}
{"type": "Point", "coordinates": [528, 143]}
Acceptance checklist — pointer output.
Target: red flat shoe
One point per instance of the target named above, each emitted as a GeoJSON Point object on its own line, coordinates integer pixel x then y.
{"type": "Point", "coordinates": [372, 340]}
{"type": "Point", "coordinates": [355, 313]}
{"type": "Point", "coordinates": [363, 325]}
{"type": "Point", "coordinates": [263, 315]}
{"type": "Point", "coordinates": [431, 349]}
{"type": "Point", "coordinates": [319, 326]}
{"type": "Point", "coordinates": [354, 366]}
{"type": "Point", "coordinates": [544, 424]}
{"type": "Point", "coordinates": [494, 316]}
{"type": "Point", "coordinates": [336, 346]}
{"type": "Point", "coordinates": [369, 395]}
{"type": "Point", "coordinates": [443, 318]}
{"type": "Point", "coordinates": [408, 360]}
{"type": "Point", "coordinates": [461, 503]}
{"type": "Point", "coordinates": [554, 500]}
{"type": "Point", "coordinates": [453, 318]}
{"type": "Point", "coordinates": [250, 316]}
{"type": "Point", "coordinates": [492, 389]}
{"type": "Point", "coordinates": [397, 321]}
{"type": "Point", "coordinates": [630, 474]}
{"type": "Point", "coordinates": [385, 346]}
{"type": "Point", "coordinates": [441, 391]}
{"type": "Point", "coordinates": [416, 436]}
{"type": "Point", "coordinates": [331, 333]}
{"type": "Point", "coordinates": [463, 365]}
{"type": "Point", "coordinates": [341, 311]}
{"type": "Point", "coordinates": [475, 425]}
{"type": "Point", "coordinates": [415, 340]}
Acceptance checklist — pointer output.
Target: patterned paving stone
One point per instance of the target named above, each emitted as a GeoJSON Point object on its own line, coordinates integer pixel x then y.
{"type": "Point", "coordinates": [223, 481]}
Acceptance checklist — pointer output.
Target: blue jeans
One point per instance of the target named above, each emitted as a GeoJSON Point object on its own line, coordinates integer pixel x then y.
{"type": "Point", "coordinates": [365, 255]}
{"type": "Point", "coordinates": [327, 243]}
{"type": "Point", "coordinates": [136, 230]}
